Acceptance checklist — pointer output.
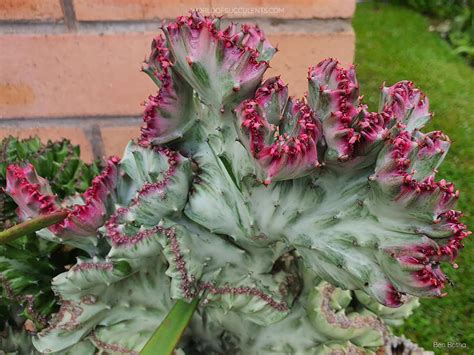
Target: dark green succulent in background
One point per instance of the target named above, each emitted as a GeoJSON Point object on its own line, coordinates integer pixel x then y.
{"type": "Point", "coordinates": [59, 162]}
{"type": "Point", "coordinates": [28, 264]}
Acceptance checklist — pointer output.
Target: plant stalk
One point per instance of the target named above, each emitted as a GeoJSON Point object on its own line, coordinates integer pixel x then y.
{"type": "Point", "coordinates": [166, 337]}
{"type": "Point", "coordinates": [32, 225]}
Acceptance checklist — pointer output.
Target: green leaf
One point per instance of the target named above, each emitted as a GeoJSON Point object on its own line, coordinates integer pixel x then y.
{"type": "Point", "coordinates": [170, 331]}
{"type": "Point", "coordinates": [31, 226]}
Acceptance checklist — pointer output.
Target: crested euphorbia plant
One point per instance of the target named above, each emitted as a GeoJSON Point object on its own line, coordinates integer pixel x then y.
{"type": "Point", "coordinates": [302, 225]}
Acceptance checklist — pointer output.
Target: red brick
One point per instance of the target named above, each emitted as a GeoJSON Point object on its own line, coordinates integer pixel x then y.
{"type": "Point", "coordinates": [15, 94]}
{"type": "Point", "coordinates": [92, 75]}
{"type": "Point", "coordinates": [73, 75]}
{"type": "Point", "coordinates": [43, 10]}
{"type": "Point", "coordinates": [285, 9]}
{"type": "Point", "coordinates": [116, 10]}
{"type": "Point", "coordinates": [76, 135]}
{"type": "Point", "coordinates": [115, 139]}
{"type": "Point", "coordinates": [297, 52]}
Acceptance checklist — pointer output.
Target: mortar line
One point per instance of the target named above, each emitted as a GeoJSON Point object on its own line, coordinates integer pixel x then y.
{"type": "Point", "coordinates": [82, 122]}
{"type": "Point", "coordinates": [270, 25]}
{"type": "Point", "coordinates": [94, 136]}
{"type": "Point", "coordinates": [69, 14]}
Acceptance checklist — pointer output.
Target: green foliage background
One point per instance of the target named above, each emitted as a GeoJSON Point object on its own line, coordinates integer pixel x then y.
{"type": "Point", "coordinates": [453, 19]}
{"type": "Point", "coordinates": [393, 43]}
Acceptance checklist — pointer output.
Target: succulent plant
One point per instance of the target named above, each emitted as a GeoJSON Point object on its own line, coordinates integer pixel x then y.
{"type": "Point", "coordinates": [28, 264]}
{"type": "Point", "coordinates": [301, 224]}
{"type": "Point", "coordinates": [59, 162]}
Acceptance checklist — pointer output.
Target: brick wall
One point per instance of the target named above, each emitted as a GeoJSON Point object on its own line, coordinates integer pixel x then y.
{"type": "Point", "coordinates": [70, 68]}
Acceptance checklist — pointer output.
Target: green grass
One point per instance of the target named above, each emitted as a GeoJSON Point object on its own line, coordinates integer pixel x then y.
{"type": "Point", "coordinates": [393, 43]}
